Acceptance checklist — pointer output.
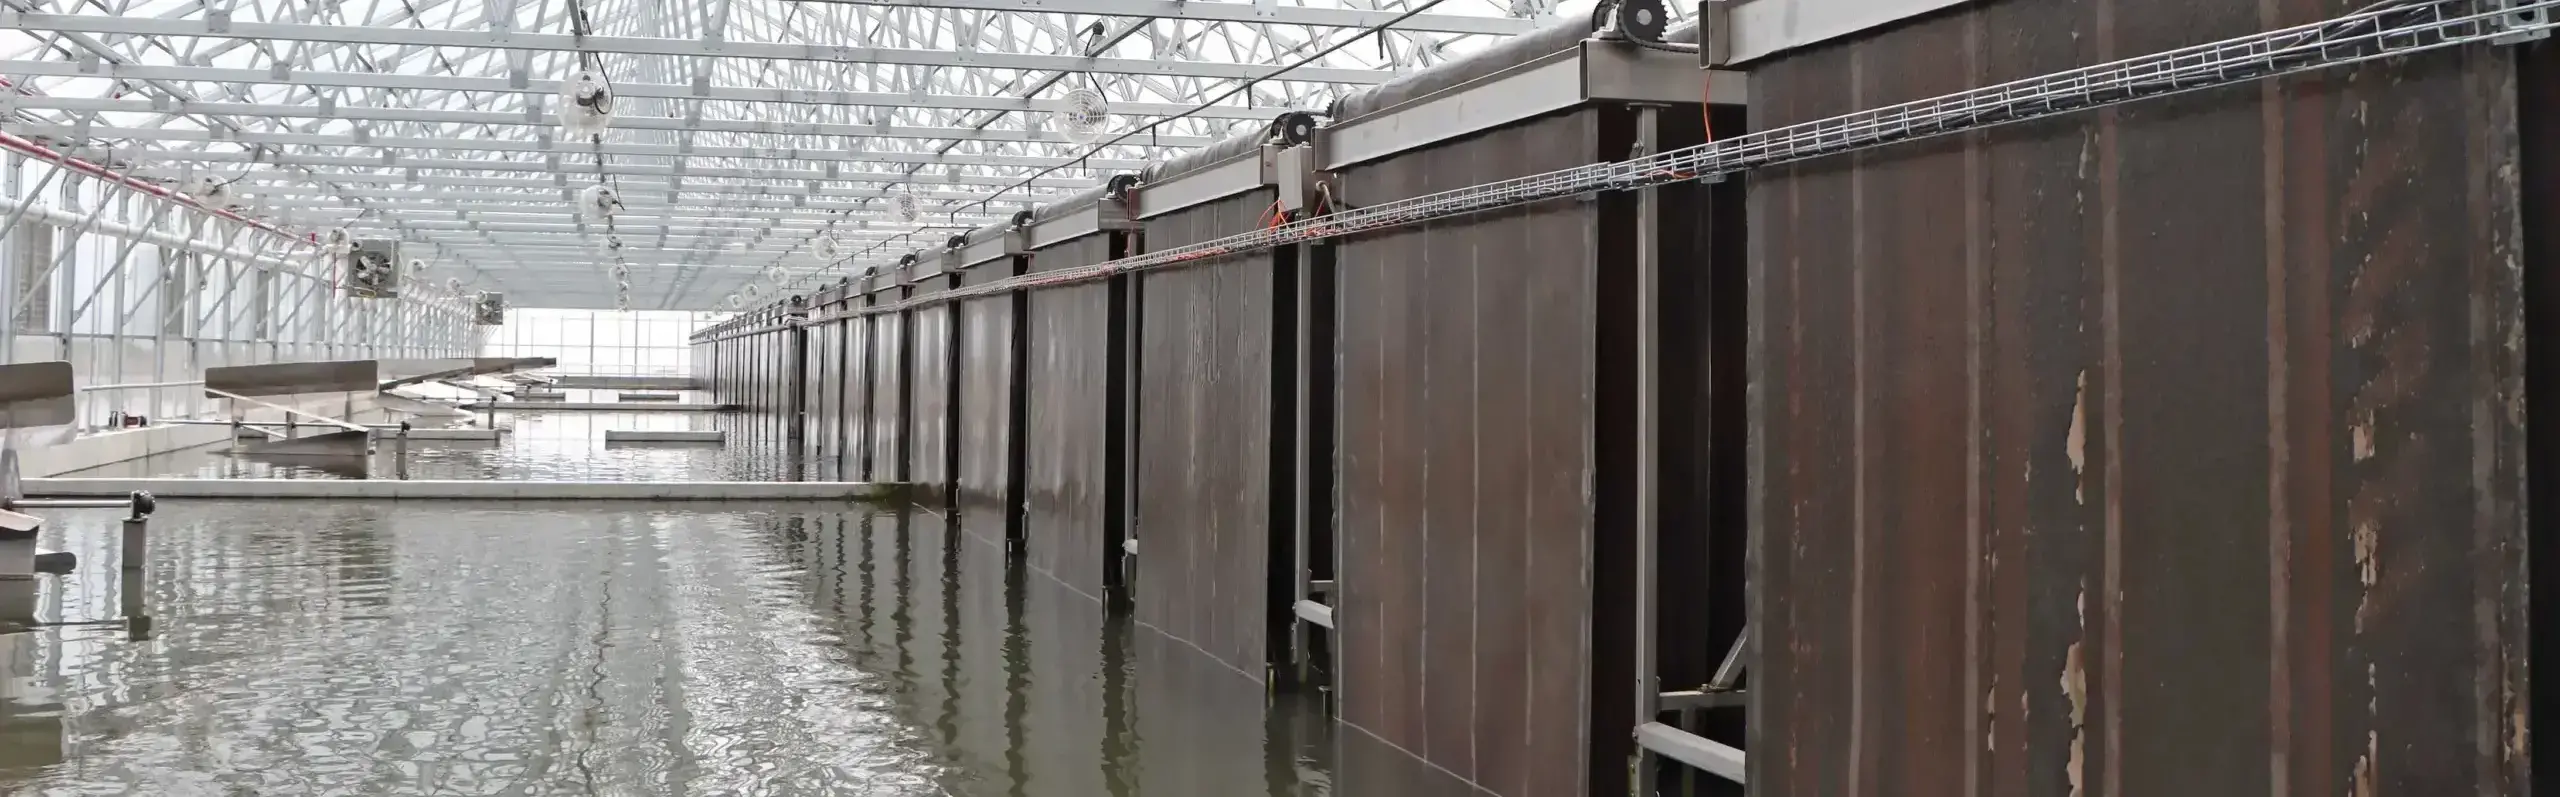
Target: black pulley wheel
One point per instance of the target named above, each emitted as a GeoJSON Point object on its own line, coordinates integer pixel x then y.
{"type": "Point", "coordinates": [1643, 20]}
{"type": "Point", "coordinates": [1296, 127]}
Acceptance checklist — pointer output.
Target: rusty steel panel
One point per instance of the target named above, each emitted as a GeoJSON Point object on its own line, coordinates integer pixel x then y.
{"type": "Point", "coordinates": [1482, 437]}
{"type": "Point", "coordinates": [857, 362]}
{"type": "Point", "coordinates": [1071, 495]}
{"type": "Point", "coordinates": [932, 391]}
{"type": "Point", "coordinates": [989, 395]}
{"type": "Point", "coordinates": [1205, 368]}
{"type": "Point", "coordinates": [890, 396]}
{"type": "Point", "coordinates": [2170, 449]}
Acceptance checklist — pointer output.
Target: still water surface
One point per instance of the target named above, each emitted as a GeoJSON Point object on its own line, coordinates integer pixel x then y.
{"type": "Point", "coordinates": [626, 649]}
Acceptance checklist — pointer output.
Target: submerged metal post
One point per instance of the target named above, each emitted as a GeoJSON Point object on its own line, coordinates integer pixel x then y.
{"type": "Point", "coordinates": [136, 551]}
{"type": "Point", "coordinates": [400, 452]}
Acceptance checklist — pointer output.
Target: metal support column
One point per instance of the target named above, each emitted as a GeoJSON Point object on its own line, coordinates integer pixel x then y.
{"type": "Point", "coordinates": [1648, 455]}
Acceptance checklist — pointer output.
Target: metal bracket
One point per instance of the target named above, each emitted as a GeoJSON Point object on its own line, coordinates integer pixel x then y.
{"type": "Point", "coordinates": [2532, 23]}
{"type": "Point", "coordinates": [1715, 33]}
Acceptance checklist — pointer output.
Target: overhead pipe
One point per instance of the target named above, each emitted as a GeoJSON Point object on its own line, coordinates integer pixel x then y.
{"type": "Point", "coordinates": [64, 218]}
{"type": "Point", "coordinates": [15, 143]}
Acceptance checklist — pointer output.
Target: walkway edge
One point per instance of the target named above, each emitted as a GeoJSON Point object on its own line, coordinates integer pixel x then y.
{"type": "Point", "coordinates": [463, 490]}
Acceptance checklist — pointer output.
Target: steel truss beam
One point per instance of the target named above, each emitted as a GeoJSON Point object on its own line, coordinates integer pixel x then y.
{"type": "Point", "coordinates": [395, 144]}
{"type": "Point", "coordinates": [551, 88]}
{"type": "Point", "coordinates": [531, 118]}
{"type": "Point", "coordinates": [612, 167]}
{"type": "Point", "coordinates": [1272, 13]}
{"type": "Point", "coordinates": [567, 189]}
{"type": "Point", "coordinates": [633, 45]}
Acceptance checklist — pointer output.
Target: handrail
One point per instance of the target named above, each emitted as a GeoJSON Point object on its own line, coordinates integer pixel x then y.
{"type": "Point", "coordinates": [140, 386]}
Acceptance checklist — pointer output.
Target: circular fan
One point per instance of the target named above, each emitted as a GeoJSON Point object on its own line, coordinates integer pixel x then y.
{"type": "Point", "coordinates": [586, 105]}
{"type": "Point", "coordinates": [620, 271]}
{"type": "Point", "coordinates": [777, 275]}
{"type": "Point", "coordinates": [1085, 116]}
{"type": "Point", "coordinates": [453, 284]}
{"type": "Point", "coordinates": [751, 291]}
{"type": "Point", "coordinates": [734, 302]}
{"type": "Point", "coordinates": [210, 191]}
{"type": "Point", "coordinates": [416, 266]}
{"type": "Point", "coordinates": [909, 208]}
{"type": "Point", "coordinates": [599, 202]}
{"type": "Point", "coordinates": [826, 249]}
{"type": "Point", "coordinates": [338, 241]}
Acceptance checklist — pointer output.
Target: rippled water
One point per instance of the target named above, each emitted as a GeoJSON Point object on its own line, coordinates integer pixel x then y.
{"type": "Point", "coordinates": [452, 648]}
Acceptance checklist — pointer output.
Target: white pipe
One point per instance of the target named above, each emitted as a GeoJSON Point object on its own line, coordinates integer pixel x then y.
{"type": "Point", "coordinates": [47, 214]}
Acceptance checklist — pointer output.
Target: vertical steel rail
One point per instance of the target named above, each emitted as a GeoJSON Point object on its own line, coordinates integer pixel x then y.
{"type": "Point", "coordinates": [9, 265]}
{"type": "Point", "coordinates": [1301, 532]}
{"type": "Point", "coordinates": [1648, 488]}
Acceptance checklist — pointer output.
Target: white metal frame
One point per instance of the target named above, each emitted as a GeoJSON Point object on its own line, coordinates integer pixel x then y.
{"type": "Point", "coordinates": [740, 102]}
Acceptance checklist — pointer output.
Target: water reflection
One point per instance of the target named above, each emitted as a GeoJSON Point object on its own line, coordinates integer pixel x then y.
{"type": "Point", "coordinates": [349, 647]}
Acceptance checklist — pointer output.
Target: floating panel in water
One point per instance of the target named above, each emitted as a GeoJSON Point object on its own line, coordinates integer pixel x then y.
{"type": "Point", "coordinates": [286, 379]}
{"type": "Point", "coordinates": [35, 394]}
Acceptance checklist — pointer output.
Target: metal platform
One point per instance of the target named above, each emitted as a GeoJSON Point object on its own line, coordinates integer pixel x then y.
{"type": "Point", "coordinates": [462, 489]}
{"type": "Point", "coordinates": [596, 406]}
{"type": "Point", "coordinates": [711, 436]}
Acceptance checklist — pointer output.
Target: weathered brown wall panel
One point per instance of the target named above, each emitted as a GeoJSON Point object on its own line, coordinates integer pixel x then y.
{"type": "Point", "coordinates": [2167, 449]}
{"type": "Point", "coordinates": [1469, 359]}
{"type": "Point", "coordinates": [930, 396]}
{"type": "Point", "coordinates": [1205, 361]}
{"type": "Point", "coordinates": [890, 362]}
{"type": "Point", "coordinates": [1067, 498]}
{"type": "Point", "coordinates": [856, 358]}
{"type": "Point", "coordinates": [985, 413]}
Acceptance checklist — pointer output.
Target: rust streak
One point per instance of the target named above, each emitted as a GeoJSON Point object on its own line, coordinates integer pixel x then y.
{"type": "Point", "coordinates": [2279, 453]}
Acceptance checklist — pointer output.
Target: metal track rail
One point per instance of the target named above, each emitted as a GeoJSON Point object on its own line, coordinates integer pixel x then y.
{"type": "Point", "coordinates": [2381, 31]}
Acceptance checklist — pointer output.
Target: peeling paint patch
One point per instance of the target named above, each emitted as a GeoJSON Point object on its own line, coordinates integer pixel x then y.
{"type": "Point", "coordinates": [2075, 688]}
{"type": "Point", "coordinates": [2367, 766]}
{"type": "Point", "coordinates": [2367, 540]}
{"type": "Point", "coordinates": [2363, 431]}
{"type": "Point", "coordinates": [2077, 442]}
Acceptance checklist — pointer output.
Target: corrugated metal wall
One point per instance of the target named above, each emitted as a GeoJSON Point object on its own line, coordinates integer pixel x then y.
{"type": "Point", "coordinates": [2171, 449]}
{"type": "Point", "coordinates": [1206, 360]}
{"type": "Point", "coordinates": [1071, 502]}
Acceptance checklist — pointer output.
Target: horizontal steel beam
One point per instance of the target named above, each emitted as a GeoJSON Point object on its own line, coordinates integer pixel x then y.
{"type": "Point", "coordinates": [533, 117]}
{"type": "Point", "coordinates": [714, 47]}
{"type": "Point", "coordinates": [628, 90]}
{"type": "Point", "coordinates": [612, 167]}
{"type": "Point", "coordinates": [854, 215]}
{"type": "Point", "coordinates": [1715, 758]}
{"type": "Point", "coordinates": [1229, 12]}
{"type": "Point", "coordinates": [471, 490]}
{"type": "Point", "coordinates": [456, 188]}
{"type": "Point", "coordinates": [395, 148]}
